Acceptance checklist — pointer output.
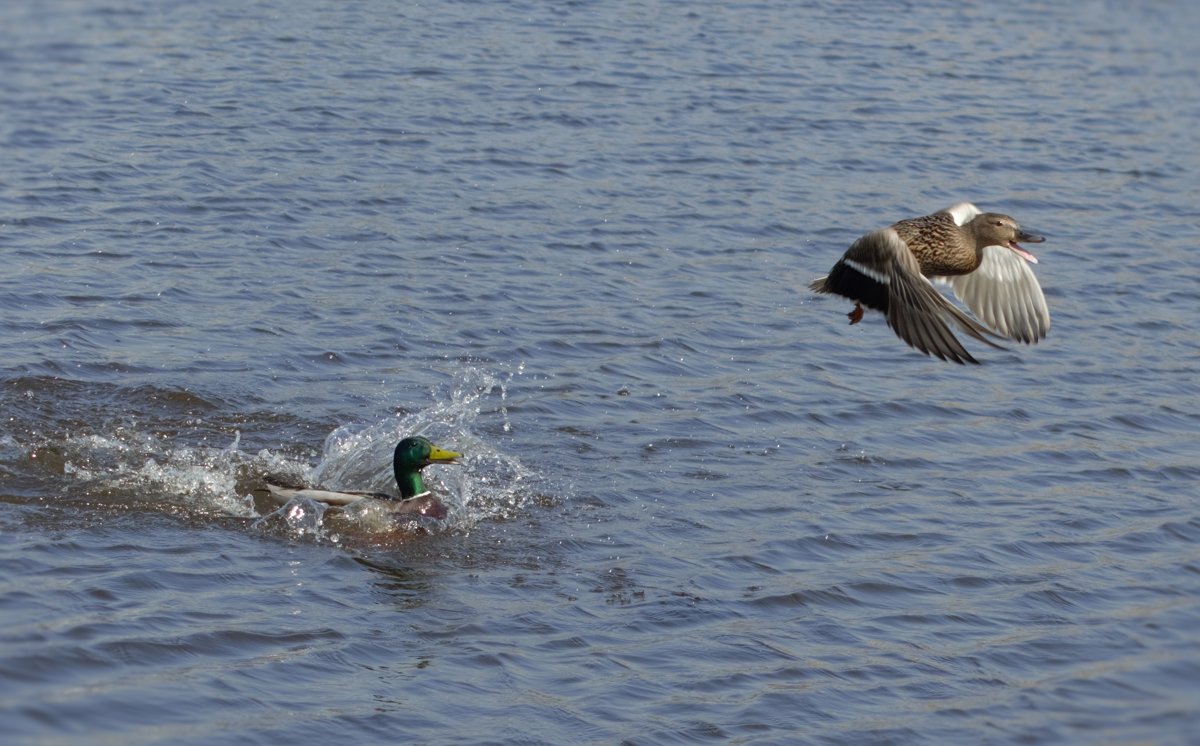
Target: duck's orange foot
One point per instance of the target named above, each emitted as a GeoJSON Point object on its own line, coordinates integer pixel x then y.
{"type": "Point", "coordinates": [856, 315]}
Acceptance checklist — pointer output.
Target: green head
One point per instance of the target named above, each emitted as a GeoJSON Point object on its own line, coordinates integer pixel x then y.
{"type": "Point", "coordinates": [412, 455]}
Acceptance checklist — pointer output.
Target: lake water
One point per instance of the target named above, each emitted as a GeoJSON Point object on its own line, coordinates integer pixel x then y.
{"type": "Point", "coordinates": [573, 240]}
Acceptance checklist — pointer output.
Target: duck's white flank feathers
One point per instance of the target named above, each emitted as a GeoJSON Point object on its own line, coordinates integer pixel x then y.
{"type": "Point", "coordinates": [330, 497]}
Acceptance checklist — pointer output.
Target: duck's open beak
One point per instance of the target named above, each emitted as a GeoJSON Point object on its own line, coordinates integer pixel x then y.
{"type": "Point", "coordinates": [1027, 238]}
{"type": "Point", "coordinates": [442, 456]}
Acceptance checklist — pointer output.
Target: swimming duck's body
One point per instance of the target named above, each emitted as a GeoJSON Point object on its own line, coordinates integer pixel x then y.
{"type": "Point", "coordinates": [975, 252]}
{"type": "Point", "coordinates": [412, 455]}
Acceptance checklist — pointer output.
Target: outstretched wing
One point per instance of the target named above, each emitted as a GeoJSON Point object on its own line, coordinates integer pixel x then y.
{"type": "Point", "coordinates": [1004, 293]}
{"type": "Point", "coordinates": [879, 271]}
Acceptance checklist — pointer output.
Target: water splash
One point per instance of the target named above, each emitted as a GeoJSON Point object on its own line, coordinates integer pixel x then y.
{"type": "Point", "coordinates": [487, 484]}
{"type": "Point", "coordinates": [299, 518]}
{"type": "Point", "coordinates": [151, 457]}
{"type": "Point", "coordinates": [132, 464]}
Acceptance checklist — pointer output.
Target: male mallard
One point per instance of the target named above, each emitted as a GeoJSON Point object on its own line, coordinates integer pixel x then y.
{"type": "Point", "coordinates": [976, 252]}
{"type": "Point", "coordinates": [412, 455]}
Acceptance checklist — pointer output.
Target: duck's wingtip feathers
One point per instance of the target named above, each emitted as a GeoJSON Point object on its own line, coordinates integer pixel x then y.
{"type": "Point", "coordinates": [963, 212]}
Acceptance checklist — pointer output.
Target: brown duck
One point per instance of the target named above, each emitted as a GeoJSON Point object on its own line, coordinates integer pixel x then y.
{"type": "Point", "coordinates": [976, 252]}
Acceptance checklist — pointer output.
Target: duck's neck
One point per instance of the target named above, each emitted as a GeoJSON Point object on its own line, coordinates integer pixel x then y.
{"type": "Point", "coordinates": [410, 483]}
{"type": "Point", "coordinates": [975, 228]}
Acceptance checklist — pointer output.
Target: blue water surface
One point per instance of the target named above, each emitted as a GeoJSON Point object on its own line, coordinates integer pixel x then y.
{"type": "Point", "coordinates": [573, 241]}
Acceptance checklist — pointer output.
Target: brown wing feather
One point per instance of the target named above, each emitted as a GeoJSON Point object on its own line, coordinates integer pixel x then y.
{"type": "Point", "coordinates": [881, 272]}
{"type": "Point", "coordinates": [917, 312]}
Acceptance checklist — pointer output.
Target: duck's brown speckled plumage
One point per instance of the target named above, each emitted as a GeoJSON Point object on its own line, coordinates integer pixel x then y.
{"type": "Point", "coordinates": [976, 252]}
{"type": "Point", "coordinates": [940, 246]}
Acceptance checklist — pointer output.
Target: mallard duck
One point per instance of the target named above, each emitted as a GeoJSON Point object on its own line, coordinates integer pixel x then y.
{"type": "Point", "coordinates": [412, 455]}
{"type": "Point", "coordinates": [976, 252]}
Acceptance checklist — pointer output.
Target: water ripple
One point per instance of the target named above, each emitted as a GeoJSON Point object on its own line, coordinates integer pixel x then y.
{"type": "Point", "coordinates": [573, 241]}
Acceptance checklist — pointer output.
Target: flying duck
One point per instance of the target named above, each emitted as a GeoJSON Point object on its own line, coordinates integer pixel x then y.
{"type": "Point", "coordinates": [976, 252]}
